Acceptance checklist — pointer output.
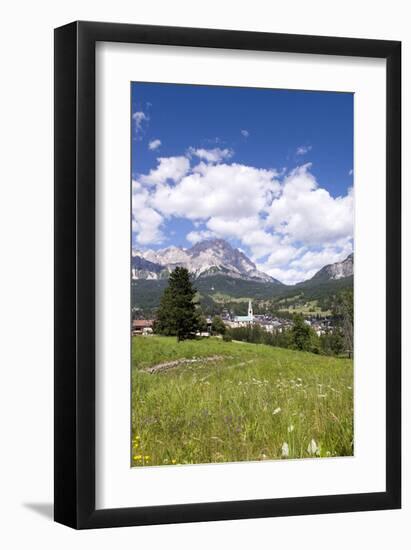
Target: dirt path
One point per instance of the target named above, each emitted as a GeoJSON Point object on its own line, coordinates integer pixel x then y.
{"type": "Point", "coordinates": [178, 362]}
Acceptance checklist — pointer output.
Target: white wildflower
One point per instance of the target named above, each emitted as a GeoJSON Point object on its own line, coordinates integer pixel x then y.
{"type": "Point", "coordinates": [285, 451]}
{"type": "Point", "coordinates": [277, 410]}
{"type": "Point", "coordinates": [290, 428]}
{"type": "Point", "coordinates": [312, 448]}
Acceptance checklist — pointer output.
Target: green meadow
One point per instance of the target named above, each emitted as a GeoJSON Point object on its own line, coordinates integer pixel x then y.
{"type": "Point", "coordinates": [232, 401]}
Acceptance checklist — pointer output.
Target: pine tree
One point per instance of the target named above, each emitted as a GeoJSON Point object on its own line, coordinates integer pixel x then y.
{"type": "Point", "coordinates": [301, 334]}
{"type": "Point", "coordinates": [177, 314]}
{"type": "Point", "coordinates": [343, 313]}
{"type": "Point", "coordinates": [201, 321]}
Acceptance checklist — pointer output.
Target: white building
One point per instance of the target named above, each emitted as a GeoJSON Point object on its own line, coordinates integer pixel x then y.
{"type": "Point", "coordinates": [244, 320]}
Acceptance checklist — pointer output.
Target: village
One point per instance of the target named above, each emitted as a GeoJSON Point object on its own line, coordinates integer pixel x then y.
{"type": "Point", "coordinates": [269, 323]}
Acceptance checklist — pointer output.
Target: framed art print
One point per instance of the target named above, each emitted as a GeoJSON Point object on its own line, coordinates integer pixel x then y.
{"type": "Point", "coordinates": [227, 298]}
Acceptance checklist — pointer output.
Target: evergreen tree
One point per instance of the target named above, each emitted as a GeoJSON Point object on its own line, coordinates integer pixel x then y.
{"type": "Point", "coordinates": [177, 315]}
{"type": "Point", "coordinates": [201, 321]}
{"type": "Point", "coordinates": [337, 342]}
{"type": "Point", "coordinates": [301, 334]}
{"type": "Point", "coordinates": [343, 314]}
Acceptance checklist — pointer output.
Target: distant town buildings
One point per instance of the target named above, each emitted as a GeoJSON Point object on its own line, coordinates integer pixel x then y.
{"type": "Point", "coordinates": [267, 322]}
{"type": "Point", "coordinates": [142, 326]}
{"type": "Point", "coordinates": [272, 323]}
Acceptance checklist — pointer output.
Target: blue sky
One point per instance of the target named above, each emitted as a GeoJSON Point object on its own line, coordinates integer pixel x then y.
{"type": "Point", "coordinates": [268, 170]}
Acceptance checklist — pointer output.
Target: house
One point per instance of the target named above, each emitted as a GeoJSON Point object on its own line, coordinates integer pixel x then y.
{"type": "Point", "coordinates": [142, 326]}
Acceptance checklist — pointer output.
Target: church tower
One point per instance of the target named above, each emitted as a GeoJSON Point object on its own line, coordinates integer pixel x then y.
{"type": "Point", "coordinates": [250, 310]}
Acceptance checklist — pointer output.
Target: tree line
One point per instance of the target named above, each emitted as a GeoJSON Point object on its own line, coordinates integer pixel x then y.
{"type": "Point", "coordinates": [337, 340]}
{"type": "Point", "coordinates": [180, 315]}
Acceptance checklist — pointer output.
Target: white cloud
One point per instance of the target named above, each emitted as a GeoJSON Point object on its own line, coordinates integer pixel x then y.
{"type": "Point", "coordinates": [303, 149]}
{"type": "Point", "coordinates": [211, 155]}
{"type": "Point", "coordinates": [305, 264]}
{"type": "Point", "coordinates": [261, 242]}
{"type": "Point", "coordinates": [214, 140]}
{"type": "Point", "coordinates": [283, 254]}
{"type": "Point", "coordinates": [169, 168]}
{"type": "Point", "coordinates": [154, 144]}
{"type": "Point", "coordinates": [233, 227]}
{"type": "Point", "coordinates": [139, 117]}
{"type": "Point", "coordinates": [314, 260]}
{"type": "Point", "coordinates": [286, 275]}
{"type": "Point", "coordinates": [197, 236]}
{"type": "Point", "coordinates": [287, 223]}
{"type": "Point", "coordinates": [307, 213]}
{"type": "Point", "coordinates": [146, 222]}
{"type": "Point", "coordinates": [224, 191]}
{"type": "Point", "coordinates": [245, 133]}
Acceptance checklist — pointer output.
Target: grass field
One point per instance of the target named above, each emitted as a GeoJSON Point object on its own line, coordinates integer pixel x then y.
{"type": "Point", "coordinates": [306, 308]}
{"type": "Point", "coordinates": [221, 298]}
{"type": "Point", "coordinates": [229, 401]}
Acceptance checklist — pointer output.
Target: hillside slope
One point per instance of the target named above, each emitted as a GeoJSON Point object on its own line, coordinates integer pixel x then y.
{"type": "Point", "coordinates": [228, 402]}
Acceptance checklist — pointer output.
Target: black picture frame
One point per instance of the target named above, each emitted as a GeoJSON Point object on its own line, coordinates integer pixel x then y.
{"type": "Point", "coordinates": [74, 459]}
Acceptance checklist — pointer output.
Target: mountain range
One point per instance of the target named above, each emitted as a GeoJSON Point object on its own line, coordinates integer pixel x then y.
{"type": "Point", "coordinates": [216, 257]}
{"type": "Point", "coordinates": [204, 259]}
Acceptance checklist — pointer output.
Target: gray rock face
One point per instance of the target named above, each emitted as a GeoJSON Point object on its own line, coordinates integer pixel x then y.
{"type": "Point", "coordinates": [336, 271]}
{"type": "Point", "coordinates": [204, 259]}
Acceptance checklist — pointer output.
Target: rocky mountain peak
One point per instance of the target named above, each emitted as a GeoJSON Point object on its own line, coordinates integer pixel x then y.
{"type": "Point", "coordinates": [336, 271]}
{"type": "Point", "coordinates": [205, 258]}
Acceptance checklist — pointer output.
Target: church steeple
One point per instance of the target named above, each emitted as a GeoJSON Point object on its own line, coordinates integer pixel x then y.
{"type": "Point", "coordinates": [250, 309]}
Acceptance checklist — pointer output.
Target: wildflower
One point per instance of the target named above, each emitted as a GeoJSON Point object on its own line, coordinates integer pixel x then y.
{"type": "Point", "coordinates": [147, 457]}
{"type": "Point", "coordinates": [277, 410]}
{"type": "Point", "coordinates": [173, 461]}
{"type": "Point", "coordinates": [290, 428]}
{"type": "Point", "coordinates": [312, 448]}
{"type": "Point", "coordinates": [285, 451]}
